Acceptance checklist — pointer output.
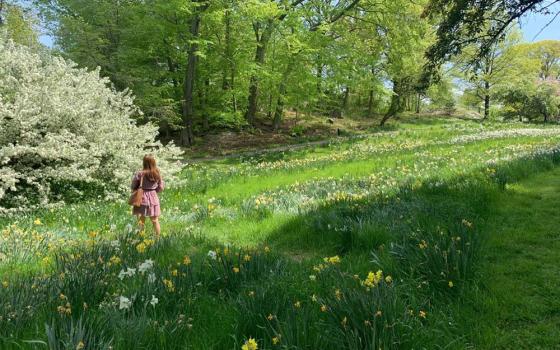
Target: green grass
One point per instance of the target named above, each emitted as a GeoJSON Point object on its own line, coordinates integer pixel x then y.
{"type": "Point", "coordinates": [414, 203]}
{"type": "Point", "coordinates": [519, 304]}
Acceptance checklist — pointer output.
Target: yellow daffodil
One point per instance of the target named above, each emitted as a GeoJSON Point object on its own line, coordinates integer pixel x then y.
{"type": "Point", "coordinates": [250, 344]}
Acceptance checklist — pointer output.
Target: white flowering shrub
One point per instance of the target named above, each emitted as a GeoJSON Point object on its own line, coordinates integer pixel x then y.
{"type": "Point", "coordinates": [65, 133]}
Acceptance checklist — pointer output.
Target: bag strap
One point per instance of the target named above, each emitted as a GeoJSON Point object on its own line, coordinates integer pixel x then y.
{"type": "Point", "coordinates": [141, 179]}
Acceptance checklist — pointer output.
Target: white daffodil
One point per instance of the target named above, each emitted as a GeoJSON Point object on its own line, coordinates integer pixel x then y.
{"type": "Point", "coordinates": [146, 265]}
{"type": "Point", "coordinates": [124, 303]}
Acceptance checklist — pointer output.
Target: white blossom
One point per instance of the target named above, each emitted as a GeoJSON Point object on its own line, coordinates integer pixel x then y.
{"type": "Point", "coordinates": [124, 303]}
{"type": "Point", "coordinates": [212, 254]}
{"type": "Point", "coordinates": [129, 272]}
{"type": "Point", "coordinates": [154, 301]}
{"type": "Point", "coordinates": [64, 125]}
{"type": "Point", "coordinates": [146, 265]}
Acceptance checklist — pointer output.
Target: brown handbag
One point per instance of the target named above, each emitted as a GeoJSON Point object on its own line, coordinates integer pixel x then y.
{"type": "Point", "coordinates": [136, 197]}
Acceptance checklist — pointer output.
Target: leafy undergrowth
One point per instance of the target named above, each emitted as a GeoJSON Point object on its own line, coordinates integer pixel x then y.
{"type": "Point", "coordinates": [368, 244]}
{"type": "Point", "coordinates": [518, 302]}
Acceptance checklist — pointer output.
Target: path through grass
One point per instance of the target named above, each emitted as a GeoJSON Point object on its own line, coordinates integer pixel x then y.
{"type": "Point", "coordinates": [520, 305]}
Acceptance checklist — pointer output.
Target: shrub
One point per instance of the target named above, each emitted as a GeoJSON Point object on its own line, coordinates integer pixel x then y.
{"type": "Point", "coordinates": [66, 133]}
{"type": "Point", "coordinates": [531, 101]}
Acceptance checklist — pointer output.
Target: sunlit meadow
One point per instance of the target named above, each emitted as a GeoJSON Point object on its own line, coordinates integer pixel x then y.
{"type": "Point", "coordinates": [367, 243]}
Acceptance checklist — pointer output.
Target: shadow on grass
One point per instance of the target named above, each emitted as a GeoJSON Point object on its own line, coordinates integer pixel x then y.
{"type": "Point", "coordinates": [362, 226]}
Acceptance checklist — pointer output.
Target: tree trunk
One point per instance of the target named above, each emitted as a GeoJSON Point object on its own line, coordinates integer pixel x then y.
{"type": "Point", "coordinates": [260, 54]}
{"type": "Point", "coordinates": [227, 53]}
{"type": "Point", "coordinates": [229, 69]}
{"type": "Point", "coordinates": [279, 112]}
{"type": "Point", "coordinates": [345, 98]}
{"type": "Point", "coordinates": [370, 103]}
{"type": "Point", "coordinates": [187, 136]}
{"type": "Point", "coordinates": [205, 122]}
{"type": "Point", "coordinates": [418, 99]}
{"type": "Point", "coordinates": [396, 104]}
{"type": "Point", "coordinates": [1, 9]}
{"type": "Point", "coordinates": [486, 100]}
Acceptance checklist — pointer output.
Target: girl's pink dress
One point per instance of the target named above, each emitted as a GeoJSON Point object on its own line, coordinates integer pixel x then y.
{"type": "Point", "coordinates": [150, 201]}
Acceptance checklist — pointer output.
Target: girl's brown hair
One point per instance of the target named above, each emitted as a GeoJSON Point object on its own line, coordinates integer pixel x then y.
{"type": "Point", "coordinates": [150, 169]}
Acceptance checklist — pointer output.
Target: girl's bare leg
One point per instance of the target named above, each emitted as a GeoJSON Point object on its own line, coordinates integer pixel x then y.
{"type": "Point", "coordinates": [155, 222]}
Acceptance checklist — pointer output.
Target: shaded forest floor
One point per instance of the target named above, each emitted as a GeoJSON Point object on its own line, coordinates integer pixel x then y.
{"type": "Point", "coordinates": [518, 306]}
{"type": "Point", "coordinates": [296, 131]}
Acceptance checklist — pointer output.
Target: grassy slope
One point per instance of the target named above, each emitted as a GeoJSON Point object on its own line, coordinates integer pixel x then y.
{"type": "Point", "coordinates": [519, 306]}
{"type": "Point", "coordinates": [520, 280]}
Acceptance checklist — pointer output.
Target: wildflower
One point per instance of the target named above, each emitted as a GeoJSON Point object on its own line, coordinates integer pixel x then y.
{"type": "Point", "coordinates": [388, 279]}
{"type": "Point", "coordinates": [154, 300]}
{"type": "Point", "coordinates": [367, 323]}
{"type": "Point", "coordinates": [338, 294]}
{"type": "Point", "coordinates": [275, 340]}
{"type": "Point", "coordinates": [235, 269]}
{"type": "Point", "coordinates": [146, 265]}
{"type": "Point", "coordinates": [450, 284]}
{"type": "Point", "coordinates": [169, 285]}
{"type": "Point", "coordinates": [62, 297]}
{"type": "Point", "coordinates": [129, 272]}
{"type": "Point", "coordinates": [251, 293]}
{"type": "Point", "coordinates": [422, 314]}
{"type": "Point", "coordinates": [312, 277]}
{"type": "Point", "coordinates": [314, 298]}
{"type": "Point", "coordinates": [266, 249]}
{"type": "Point", "coordinates": [37, 222]}
{"type": "Point", "coordinates": [466, 223]}
{"type": "Point", "coordinates": [297, 304]}
{"type": "Point", "coordinates": [270, 317]}
{"type": "Point", "coordinates": [114, 260]}
{"type": "Point", "coordinates": [324, 308]}
{"type": "Point", "coordinates": [5, 284]}
{"type": "Point", "coordinates": [344, 321]}
{"type": "Point", "coordinates": [423, 244]}
{"type": "Point", "coordinates": [186, 260]}
{"type": "Point", "coordinates": [151, 277]}
{"type": "Point", "coordinates": [92, 234]}
{"type": "Point", "coordinates": [373, 279]}
{"type": "Point", "coordinates": [332, 260]}
{"type": "Point", "coordinates": [212, 254]}
{"type": "Point", "coordinates": [80, 345]}
{"type": "Point", "coordinates": [247, 257]}
{"type": "Point", "coordinates": [250, 344]}
{"type": "Point", "coordinates": [141, 247]}
{"type": "Point", "coordinates": [378, 313]}
{"type": "Point", "coordinates": [174, 272]}
{"type": "Point", "coordinates": [124, 303]}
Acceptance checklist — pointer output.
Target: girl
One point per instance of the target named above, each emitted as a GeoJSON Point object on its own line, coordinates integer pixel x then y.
{"type": "Point", "coordinates": [152, 184]}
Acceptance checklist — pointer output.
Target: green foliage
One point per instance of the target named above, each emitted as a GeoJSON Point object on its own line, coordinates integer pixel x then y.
{"type": "Point", "coordinates": [322, 57]}
{"type": "Point", "coordinates": [531, 101]}
{"type": "Point", "coordinates": [300, 267]}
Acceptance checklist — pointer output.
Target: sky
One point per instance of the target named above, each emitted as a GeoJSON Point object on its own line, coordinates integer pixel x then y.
{"type": "Point", "coordinates": [533, 26]}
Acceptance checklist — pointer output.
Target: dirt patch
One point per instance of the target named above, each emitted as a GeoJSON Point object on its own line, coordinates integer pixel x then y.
{"type": "Point", "coordinates": [294, 130]}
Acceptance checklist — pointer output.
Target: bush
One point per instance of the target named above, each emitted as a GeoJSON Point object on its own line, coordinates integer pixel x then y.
{"type": "Point", "coordinates": [66, 133]}
{"type": "Point", "coordinates": [531, 101]}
